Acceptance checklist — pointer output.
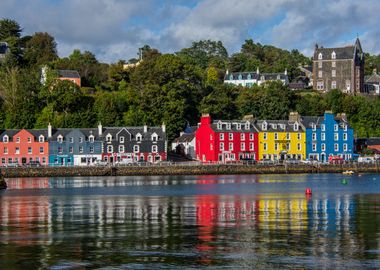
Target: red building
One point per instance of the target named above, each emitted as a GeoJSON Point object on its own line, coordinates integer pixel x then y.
{"type": "Point", "coordinates": [70, 75]}
{"type": "Point", "coordinates": [226, 141]}
{"type": "Point", "coordinates": [23, 146]}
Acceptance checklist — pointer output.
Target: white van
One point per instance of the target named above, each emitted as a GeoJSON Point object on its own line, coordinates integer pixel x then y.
{"type": "Point", "coordinates": [124, 162]}
{"type": "Point", "coordinates": [366, 159]}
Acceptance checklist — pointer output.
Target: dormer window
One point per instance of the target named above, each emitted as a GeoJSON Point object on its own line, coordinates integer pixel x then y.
{"type": "Point", "coordinates": [249, 77]}
{"type": "Point", "coordinates": [41, 138]}
{"type": "Point", "coordinates": [278, 77]}
{"type": "Point", "coordinates": [264, 126]}
{"type": "Point", "coordinates": [60, 138]}
{"type": "Point", "coordinates": [6, 138]}
{"type": "Point", "coordinates": [154, 137]}
{"type": "Point", "coordinates": [320, 56]}
{"type": "Point", "coordinates": [18, 139]}
{"type": "Point", "coordinates": [274, 126]}
{"type": "Point", "coordinates": [91, 138]}
{"type": "Point", "coordinates": [138, 137]}
{"type": "Point", "coordinates": [121, 139]}
{"type": "Point", "coordinates": [228, 126]}
{"type": "Point", "coordinates": [333, 55]}
{"type": "Point", "coordinates": [247, 126]}
{"type": "Point", "coordinates": [296, 126]}
{"type": "Point", "coordinates": [219, 125]}
{"type": "Point", "coordinates": [71, 139]}
{"type": "Point", "coordinates": [238, 126]}
{"type": "Point", "coordinates": [109, 138]}
{"type": "Point", "coordinates": [282, 126]}
{"type": "Point", "coordinates": [345, 127]}
{"type": "Point", "coordinates": [240, 77]}
{"type": "Point", "coordinates": [29, 139]}
{"type": "Point", "coordinates": [80, 139]}
{"type": "Point", "coordinates": [313, 126]}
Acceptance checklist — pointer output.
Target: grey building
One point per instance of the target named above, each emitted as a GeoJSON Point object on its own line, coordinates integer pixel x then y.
{"type": "Point", "coordinates": [339, 68]}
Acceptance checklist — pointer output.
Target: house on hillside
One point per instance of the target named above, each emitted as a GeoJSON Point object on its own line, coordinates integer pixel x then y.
{"type": "Point", "coordinates": [339, 68]}
{"type": "Point", "coordinates": [372, 83]}
{"type": "Point", "coordinates": [248, 79]}
{"type": "Point", "coordinates": [70, 75]}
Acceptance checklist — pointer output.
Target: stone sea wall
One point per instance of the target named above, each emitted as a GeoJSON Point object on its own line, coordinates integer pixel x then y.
{"type": "Point", "coordinates": [184, 170]}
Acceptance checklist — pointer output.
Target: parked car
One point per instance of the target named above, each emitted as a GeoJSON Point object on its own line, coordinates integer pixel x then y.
{"type": "Point", "coordinates": [291, 161]}
{"type": "Point", "coordinates": [124, 162]}
{"type": "Point", "coordinates": [248, 161]}
{"type": "Point", "coordinates": [99, 162]}
{"type": "Point", "coordinates": [366, 159]}
{"type": "Point", "coordinates": [336, 160]}
{"type": "Point", "coordinates": [143, 163]}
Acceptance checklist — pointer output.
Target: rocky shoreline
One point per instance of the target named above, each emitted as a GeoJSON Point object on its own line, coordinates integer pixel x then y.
{"type": "Point", "coordinates": [185, 170]}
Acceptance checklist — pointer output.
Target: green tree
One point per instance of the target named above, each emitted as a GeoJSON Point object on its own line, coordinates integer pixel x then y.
{"type": "Point", "coordinates": [40, 49]}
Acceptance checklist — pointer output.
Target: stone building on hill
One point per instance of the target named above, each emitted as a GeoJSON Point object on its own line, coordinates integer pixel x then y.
{"type": "Point", "coordinates": [339, 68]}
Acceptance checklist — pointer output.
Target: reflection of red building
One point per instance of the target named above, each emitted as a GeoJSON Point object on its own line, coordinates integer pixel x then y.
{"type": "Point", "coordinates": [225, 141]}
{"type": "Point", "coordinates": [24, 146]}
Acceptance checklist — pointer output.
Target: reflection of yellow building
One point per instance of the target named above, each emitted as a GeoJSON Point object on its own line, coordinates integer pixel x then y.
{"type": "Point", "coordinates": [289, 212]}
{"type": "Point", "coordinates": [281, 139]}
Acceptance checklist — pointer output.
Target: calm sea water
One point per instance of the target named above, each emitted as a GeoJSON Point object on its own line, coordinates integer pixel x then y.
{"type": "Point", "coordinates": [191, 222]}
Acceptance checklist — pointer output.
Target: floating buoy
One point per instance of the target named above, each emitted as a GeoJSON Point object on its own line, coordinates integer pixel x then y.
{"type": "Point", "coordinates": [344, 182]}
{"type": "Point", "coordinates": [308, 191]}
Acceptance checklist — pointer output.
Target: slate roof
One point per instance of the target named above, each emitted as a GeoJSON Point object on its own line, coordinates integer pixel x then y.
{"type": "Point", "coordinates": [10, 133]}
{"type": "Point", "coordinates": [373, 141]}
{"type": "Point", "coordinates": [68, 74]}
{"type": "Point", "coordinates": [185, 138]}
{"type": "Point", "coordinates": [234, 124]}
{"type": "Point", "coordinates": [255, 76]}
{"type": "Point", "coordinates": [340, 53]}
{"type": "Point", "coordinates": [135, 130]}
{"type": "Point", "coordinates": [278, 126]}
{"type": "Point", "coordinates": [38, 132]}
{"type": "Point", "coordinates": [308, 121]}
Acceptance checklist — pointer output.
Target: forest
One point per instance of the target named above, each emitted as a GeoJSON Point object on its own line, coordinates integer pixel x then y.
{"type": "Point", "coordinates": [174, 88]}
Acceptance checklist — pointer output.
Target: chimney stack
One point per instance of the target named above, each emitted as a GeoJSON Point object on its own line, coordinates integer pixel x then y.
{"type": "Point", "coordinates": [100, 129]}
{"type": "Point", "coordinates": [163, 127]}
{"type": "Point", "coordinates": [145, 128]}
{"type": "Point", "coordinates": [50, 131]}
{"type": "Point", "coordinates": [294, 117]}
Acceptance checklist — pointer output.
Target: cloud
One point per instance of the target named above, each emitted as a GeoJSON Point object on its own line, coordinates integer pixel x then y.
{"type": "Point", "coordinates": [114, 29]}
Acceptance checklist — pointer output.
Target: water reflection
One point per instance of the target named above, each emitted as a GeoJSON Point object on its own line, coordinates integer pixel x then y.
{"type": "Point", "coordinates": [246, 229]}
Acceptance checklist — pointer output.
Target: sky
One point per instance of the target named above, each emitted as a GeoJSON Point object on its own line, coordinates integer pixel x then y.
{"type": "Point", "coordinates": [114, 29]}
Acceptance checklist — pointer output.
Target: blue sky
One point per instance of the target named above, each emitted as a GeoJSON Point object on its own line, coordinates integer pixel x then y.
{"type": "Point", "coordinates": [114, 29]}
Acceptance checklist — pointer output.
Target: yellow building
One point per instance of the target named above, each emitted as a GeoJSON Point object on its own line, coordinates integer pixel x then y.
{"type": "Point", "coordinates": [282, 139]}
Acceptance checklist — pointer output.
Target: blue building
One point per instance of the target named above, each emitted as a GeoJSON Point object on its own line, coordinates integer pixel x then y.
{"type": "Point", "coordinates": [328, 135]}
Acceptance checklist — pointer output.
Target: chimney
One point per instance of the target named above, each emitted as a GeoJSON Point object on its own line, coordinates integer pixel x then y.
{"type": "Point", "coordinates": [294, 117]}
{"type": "Point", "coordinates": [249, 118]}
{"type": "Point", "coordinates": [316, 46]}
{"type": "Point", "coordinates": [374, 71]}
{"type": "Point", "coordinates": [343, 116]}
{"type": "Point", "coordinates": [227, 72]}
{"type": "Point", "coordinates": [145, 128]}
{"type": "Point", "coordinates": [50, 131]}
{"type": "Point", "coordinates": [100, 129]}
{"type": "Point", "coordinates": [286, 71]}
{"type": "Point", "coordinates": [257, 70]}
{"type": "Point", "coordinates": [163, 127]}
{"type": "Point", "coordinates": [205, 119]}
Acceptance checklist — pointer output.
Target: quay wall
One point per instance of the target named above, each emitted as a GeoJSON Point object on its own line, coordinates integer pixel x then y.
{"type": "Point", "coordinates": [185, 170]}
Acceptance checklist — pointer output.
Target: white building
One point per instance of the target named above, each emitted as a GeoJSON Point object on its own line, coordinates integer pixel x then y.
{"type": "Point", "coordinates": [248, 79]}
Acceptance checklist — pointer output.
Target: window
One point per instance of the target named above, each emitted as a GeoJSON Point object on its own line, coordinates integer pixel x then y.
{"type": "Point", "coordinates": [91, 149]}
{"type": "Point", "coordinates": [210, 137]}
{"type": "Point", "coordinates": [231, 146]}
{"type": "Point", "coordinates": [121, 148]}
{"type": "Point", "coordinates": [336, 136]}
{"type": "Point", "coordinates": [211, 147]}
{"type": "Point", "coordinates": [265, 135]}
{"type": "Point", "coordinates": [154, 137]}
{"type": "Point", "coordinates": [91, 138]}
{"type": "Point", "coordinates": [314, 136]}
{"type": "Point", "coordinates": [320, 85]}
{"type": "Point", "coordinates": [323, 136]}
{"type": "Point", "coordinates": [9, 160]}
{"type": "Point", "coordinates": [314, 126]}
{"type": "Point", "coordinates": [320, 74]}
{"type": "Point", "coordinates": [60, 150]}
{"type": "Point", "coordinates": [264, 126]}
{"type": "Point", "coordinates": [230, 136]}
{"type": "Point", "coordinates": [320, 56]}
{"type": "Point", "coordinates": [228, 126]}
{"type": "Point", "coordinates": [276, 136]}
{"type": "Point", "coordinates": [43, 160]}
{"type": "Point", "coordinates": [41, 138]}
{"type": "Point", "coordinates": [221, 136]}
{"type": "Point", "coordinates": [296, 126]}
{"type": "Point", "coordinates": [29, 139]}
{"type": "Point", "coordinates": [240, 77]}
{"type": "Point", "coordinates": [242, 146]}
{"type": "Point", "coordinates": [18, 139]}
{"type": "Point", "coordinates": [238, 126]}
{"type": "Point", "coordinates": [139, 137]}
{"type": "Point", "coordinates": [298, 146]}
{"type": "Point", "coordinates": [60, 139]}
{"type": "Point", "coordinates": [17, 150]}
{"type": "Point", "coordinates": [251, 136]}
{"type": "Point", "coordinates": [109, 138]}
{"type": "Point", "coordinates": [333, 85]}
{"type": "Point", "coordinates": [136, 148]}
{"type": "Point", "coordinates": [221, 146]}
{"type": "Point", "coordinates": [121, 139]}
{"type": "Point", "coordinates": [109, 149]}
{"type": "Point", "coordinates": [265, 146]}
{"type": "Point", "coordinates": [288, 146]}
{"type": "Point", "coordinates": [71, 140]}
{"type": "Point", "coordinates": [29, 150]}
{"type": "Point", "coordinates": [333, 73]}
{"type": "Point", "coordinates": [71, 150]}
{"type": "Point", "coordinates": [320, 64]}
{"type": "Point", "coordinates": [323, 147]}
{"type": "Point", "coordinates": [5, 150]}
{"type": "Point", "coordinates": [2, 160]}
{"type": "Point", "coordinates": [288, 136]}
{"type": "Point", "coordinates": [242, 136]}
{"type": "Point", "coordinates": [247, 126]}
{"type": "Point", "coordinates": [348, 85]}
{"type": "Point", "coordinates": [345, 147]}
{"type": "Point", "coordinates": [333, 55]}
{"type": "Point", "coordinates": [345, 127]}
{"type": "Point", "coordinates": [80, 139]}
{"type": "Point", "coordinates": [299, 136]}
{"type": "Point", "coordinates": [251, 147]}
{"type": "Point", "coordinates": [249, 77]}
{"type": "Point", "coordinates": [5, 138]}
{"type": "Point", "coordinates": [344, 136]}
{"type": "Point", "coordinates": [336, 127]}
{"type": "Point", "coordinates": [154, 148]}
{"type": "Point", "coordinates": [314, 147]}
{"type": "Point", "coordinates": [323, 127]}
{"type": "Point", "coordinates": [333, 64]}
{"type": "Point", "coordinates": [81, 149]}
{"type": "Point", "coordinates": [276, 146]}
{"type": "Point", "coordinates": [219, 125]}
{"type": "Point", "coordinates": [336, 147]}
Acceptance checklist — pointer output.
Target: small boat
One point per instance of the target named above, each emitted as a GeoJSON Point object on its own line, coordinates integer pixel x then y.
{"type": "Point", "coordinates": [348, 172]}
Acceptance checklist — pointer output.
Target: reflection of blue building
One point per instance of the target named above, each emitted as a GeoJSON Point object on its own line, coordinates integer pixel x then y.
{"type": "Point", "coordinates": [328, 135]}
{"type": "Point", "coordinates": [69, 147]}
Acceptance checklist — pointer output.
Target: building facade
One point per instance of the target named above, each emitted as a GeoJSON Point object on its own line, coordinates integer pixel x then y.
{"type": "Point", "coordinates": [248, 79]}
{"type": "Point", "coordinates": [135, 144]}
{"type": "Point", "coordinates": [70, 75]}
{"type": "Point", "coordinates": [282, 139]}
{"type": "Point", "coordinates": [339, 68]}
{"type": "Point", "coordinates": [327, 136]}
{"type": "Point", "coordinates": [226, 141]}
{"type": "Point", "coordinates": [23, 147]}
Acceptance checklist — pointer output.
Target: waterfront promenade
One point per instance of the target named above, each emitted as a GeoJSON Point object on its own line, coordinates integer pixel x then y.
{"type": "Point", "coordinates": [188, 169]}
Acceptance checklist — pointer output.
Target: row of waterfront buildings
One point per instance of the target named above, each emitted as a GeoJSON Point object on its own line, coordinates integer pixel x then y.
{"type": "Point", "coordinates": [299, 137]}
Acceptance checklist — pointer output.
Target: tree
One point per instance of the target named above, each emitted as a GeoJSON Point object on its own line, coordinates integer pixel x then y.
{"type": "Point", "coordinates": [9, 28]}
{"type": "Point", "coordinates": [40, 49]}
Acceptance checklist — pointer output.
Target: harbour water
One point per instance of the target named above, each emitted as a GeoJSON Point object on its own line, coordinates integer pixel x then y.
{"type": "Point", "coordinates": [191, 222]}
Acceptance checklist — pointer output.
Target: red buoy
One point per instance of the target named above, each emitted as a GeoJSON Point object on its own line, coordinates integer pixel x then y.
{"type": "Point", "coordinates": [308, 191]}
